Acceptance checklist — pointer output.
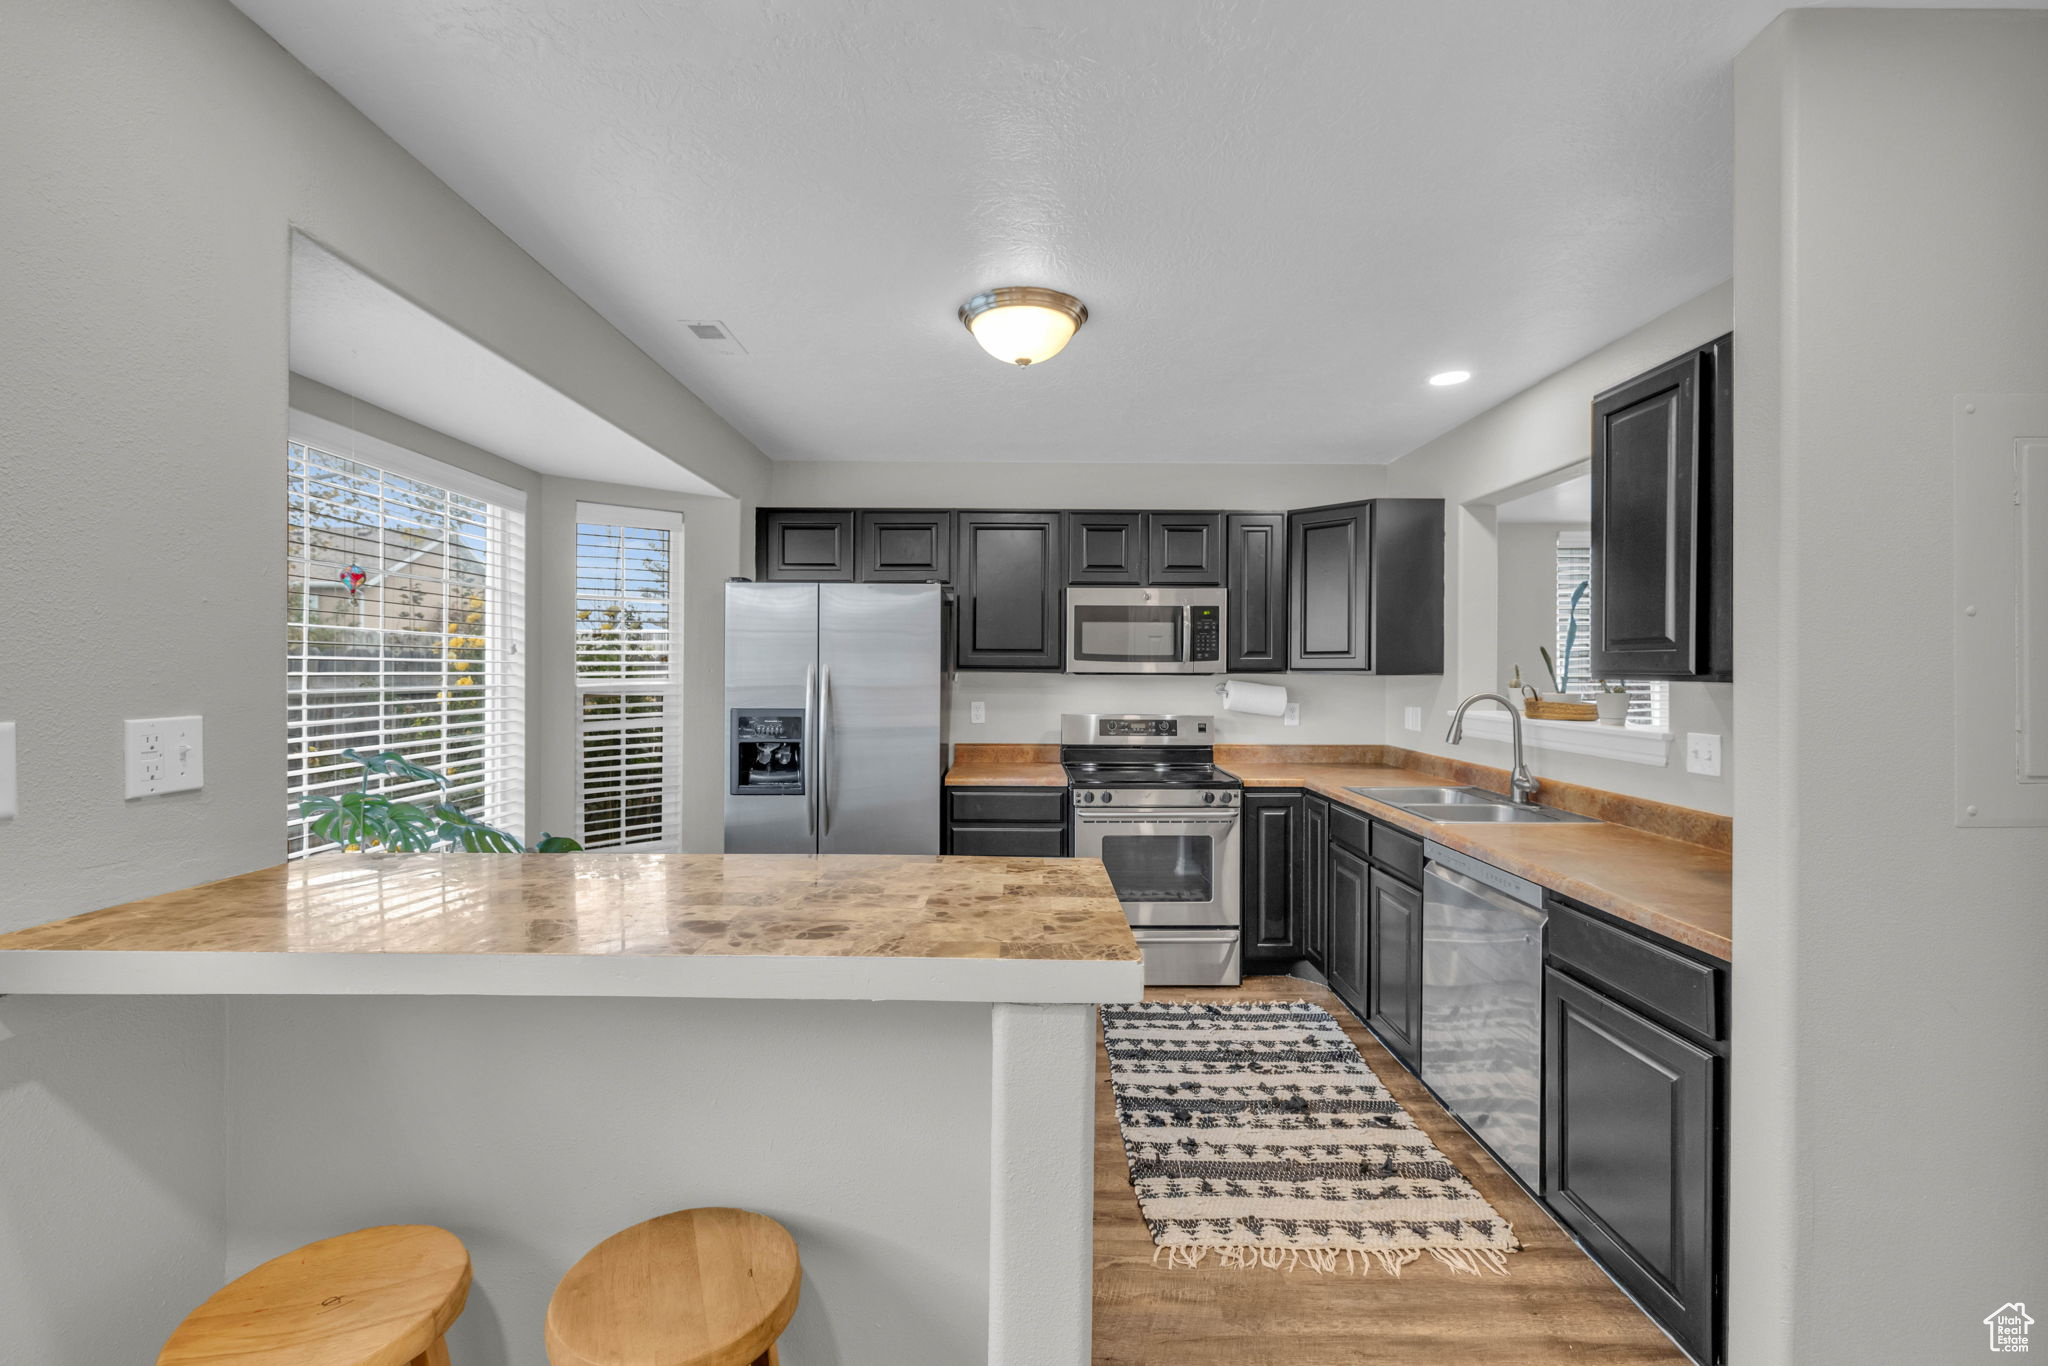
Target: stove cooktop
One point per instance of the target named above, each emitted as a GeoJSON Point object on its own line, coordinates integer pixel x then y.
{"type": "Point", "coordinates": [1096, 774]}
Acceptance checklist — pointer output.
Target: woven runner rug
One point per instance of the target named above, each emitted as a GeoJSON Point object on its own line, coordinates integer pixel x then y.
{"type": "Point", "coordinates": [1258, 1136]}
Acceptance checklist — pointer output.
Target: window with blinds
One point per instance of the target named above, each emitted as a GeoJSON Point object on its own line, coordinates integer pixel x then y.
{"type": "Point", "coordinates": [405, 605]}
{"type": "Point", "coordinates": [628, 677]}
{"type": "Point", "coordinates": [1649, 704]}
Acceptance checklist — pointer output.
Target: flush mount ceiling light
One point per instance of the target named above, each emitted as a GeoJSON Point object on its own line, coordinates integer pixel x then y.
{"type": "Point", "coordinates": [1450, 377]}
{"type": "Point", "coordinates": [1023, 324]}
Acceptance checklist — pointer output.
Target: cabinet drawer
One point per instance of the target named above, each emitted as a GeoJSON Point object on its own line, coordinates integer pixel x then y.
{"type": "Point", "coordinates": [1012, 806]}
{"type": "Point", "coordinates": [1349, 829]}
{"type": "Point", "coordinates": [1010, 841]}
{"type": "Point", "coordinates": [1640, 972]}
{"type": "Point", "coordinates": [1397, 851]}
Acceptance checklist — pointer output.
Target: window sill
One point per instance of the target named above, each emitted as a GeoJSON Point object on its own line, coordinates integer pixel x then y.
{"type": "Point", "coordinates": [1625, 744]}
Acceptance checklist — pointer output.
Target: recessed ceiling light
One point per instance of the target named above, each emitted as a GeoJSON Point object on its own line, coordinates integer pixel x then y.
{"type": "Point", "coordinates": [1023, 324]}
{"type": "Point", "coordinates": [1450, 377]}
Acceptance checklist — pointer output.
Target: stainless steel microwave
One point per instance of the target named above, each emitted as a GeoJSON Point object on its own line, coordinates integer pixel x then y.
{"type": "Point", "coordinates": [1145, 630]}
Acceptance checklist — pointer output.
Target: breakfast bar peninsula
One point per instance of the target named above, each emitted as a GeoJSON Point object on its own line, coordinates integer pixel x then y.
{"type": "Point", "coordinates": [891, 1055]}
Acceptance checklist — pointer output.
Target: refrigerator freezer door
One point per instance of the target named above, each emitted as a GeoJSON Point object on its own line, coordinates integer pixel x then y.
{"type": "Point", "coordinates": [879, 765]}
{"type": "Point", "coordinates": [771, 655]}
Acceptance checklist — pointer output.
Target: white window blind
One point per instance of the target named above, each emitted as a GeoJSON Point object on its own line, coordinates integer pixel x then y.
{"type": "Point", "coordinates": [1649, 704]}
{"type": "Point", "coordinates": [424, 657]}
{"type": "Point", "coordinates": [628, 677]}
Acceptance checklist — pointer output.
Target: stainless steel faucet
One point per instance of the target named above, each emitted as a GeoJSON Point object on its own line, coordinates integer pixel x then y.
{"type": "Point", "coordinates": [1523, 781]}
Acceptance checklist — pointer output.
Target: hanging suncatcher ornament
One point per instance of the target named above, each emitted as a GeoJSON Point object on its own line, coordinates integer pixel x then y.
{"type": "Point", "coordinates": [353, 578]}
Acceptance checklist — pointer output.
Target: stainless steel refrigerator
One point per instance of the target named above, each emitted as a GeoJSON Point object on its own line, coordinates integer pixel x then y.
{"type": "Point", "coordinates": [832, 718]}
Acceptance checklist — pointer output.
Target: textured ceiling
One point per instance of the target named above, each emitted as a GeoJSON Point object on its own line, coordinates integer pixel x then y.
{"type": "Point", "coordinates": [1282, 217]}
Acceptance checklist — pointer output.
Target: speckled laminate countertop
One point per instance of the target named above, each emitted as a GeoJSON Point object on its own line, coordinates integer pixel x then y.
{"type": "Point", "coordinates": [890, 927]}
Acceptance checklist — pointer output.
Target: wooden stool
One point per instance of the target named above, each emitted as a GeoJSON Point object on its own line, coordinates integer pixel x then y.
{"type": "Point", "coordinates": [702, 1287]}
{"type": "Point", "coordinates": [378, 1297]}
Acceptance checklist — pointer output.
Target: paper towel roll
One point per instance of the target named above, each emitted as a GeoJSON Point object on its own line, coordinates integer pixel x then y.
{"type": "Point", "coordinates": [1260, 699]}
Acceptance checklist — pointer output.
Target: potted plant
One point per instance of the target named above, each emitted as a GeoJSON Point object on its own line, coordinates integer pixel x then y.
{"type": "Point", "coordinates": [364, 819]}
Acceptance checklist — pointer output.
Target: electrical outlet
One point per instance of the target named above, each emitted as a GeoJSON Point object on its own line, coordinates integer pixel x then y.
{"type": "Point", "coordinates": [1703, 754]}
{"type": "Point", "coordinates": [1292, 716]}
{"type": "Point", "coordinates": [977, 712]}
{"type": "Point", "coordinates": [1411, 717]}
{"type": "Point", "coordinates": [8, 803]}
{"type": "Point", "coordinates": [166, 754]}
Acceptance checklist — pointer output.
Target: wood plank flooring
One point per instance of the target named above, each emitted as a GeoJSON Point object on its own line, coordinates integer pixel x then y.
{"type": "Point", "coordinates": [1555, 1307]}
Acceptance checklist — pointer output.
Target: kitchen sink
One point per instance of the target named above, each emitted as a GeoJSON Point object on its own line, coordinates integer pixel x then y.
{"type": "Point", "coordinates": [1448, 804]}
{"type": "Point", "coordinates": [1505, 813]}
{"type": "Point", "coordinates": [1429, 796]}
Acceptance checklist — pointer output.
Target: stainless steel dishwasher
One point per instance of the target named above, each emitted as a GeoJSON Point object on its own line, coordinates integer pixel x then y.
{"type": "Point", "coordinates": [1482, 1003]}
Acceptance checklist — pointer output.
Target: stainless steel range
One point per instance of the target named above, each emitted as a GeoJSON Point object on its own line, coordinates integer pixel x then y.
{"type": "Point", "coordinates": [1149, 801]}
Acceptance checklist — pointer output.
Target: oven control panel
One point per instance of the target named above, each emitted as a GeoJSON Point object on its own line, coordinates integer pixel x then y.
{"type": "Point", "coordinates": [1126, 727]}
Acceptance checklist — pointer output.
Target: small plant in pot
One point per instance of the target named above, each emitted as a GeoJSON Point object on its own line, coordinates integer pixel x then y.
{"type": "Point", "coordinates": [364, 819]}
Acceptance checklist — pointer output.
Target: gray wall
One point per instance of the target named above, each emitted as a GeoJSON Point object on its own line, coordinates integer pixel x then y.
{"type": "Point", "coordinates": [1527, 588]}
{"type": "Point", "coordinates": [1249, 487]}
{"type": "Point", "coordinates": [1890, 1078]}
{"type": "Point", "coordinates": [1507, 449]}
{"type": "Point", "coordinates": [534, 1128]}
{"type": "Point", "coordinates": [159, 154]}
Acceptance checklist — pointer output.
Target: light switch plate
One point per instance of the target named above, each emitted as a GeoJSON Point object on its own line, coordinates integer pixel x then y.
{"type": "Point", "coordinates": [164, 754]}
{"type": "Point", "coordinates": [1411, 717]}
{"type": "Point", "coordinates": [1292, 716]}
{"type": "Point", "coordinates": [977, 712]}
{"type": "Point", "coordinates": [1703, 754]}
{"type": "Point", "coordinates": [9, 807]}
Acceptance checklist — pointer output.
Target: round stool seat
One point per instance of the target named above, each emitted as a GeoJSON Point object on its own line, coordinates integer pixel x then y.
{"type": "Point", "coordinates": [701, 1287]}
{"type": "Point", "coordinates": [376, 1297]}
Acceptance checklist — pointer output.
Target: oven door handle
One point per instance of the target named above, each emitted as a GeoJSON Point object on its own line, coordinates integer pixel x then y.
{"type": "Point", "coordinates": [1104, 818]}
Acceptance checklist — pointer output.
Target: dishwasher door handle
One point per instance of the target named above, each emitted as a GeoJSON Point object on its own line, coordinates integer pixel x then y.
{"type": "Point", "coordinates": [1471, 889]}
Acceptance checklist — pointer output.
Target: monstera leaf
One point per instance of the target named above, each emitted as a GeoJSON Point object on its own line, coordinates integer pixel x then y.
{"type": "Point", "coordinates": [464, 831]}
{"type": "Point", "coordinates": [364, 819]}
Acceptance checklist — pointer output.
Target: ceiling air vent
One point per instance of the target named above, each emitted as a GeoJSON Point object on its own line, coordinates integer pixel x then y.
{"type": "Point", "coordinates": [715, 337]}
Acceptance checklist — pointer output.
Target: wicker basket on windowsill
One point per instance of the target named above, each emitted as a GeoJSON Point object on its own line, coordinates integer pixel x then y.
{"type": "Point", "coordinates": [1536, 709]}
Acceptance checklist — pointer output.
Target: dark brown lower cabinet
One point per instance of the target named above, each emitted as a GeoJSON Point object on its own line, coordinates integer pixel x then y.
{"type": "Point", "coordinates": [1005, 822]}
{"type": "Point", "coordinates": [1630, 1116]}
{"type": "Point", "coordinates": [1347, 890]}
{"type": "Point", "coordinates": [1393, 997]}
{"type": "Point", "coordinates": [1272, 903]}
{"type": "Point", "coordinates": [1315, 854]}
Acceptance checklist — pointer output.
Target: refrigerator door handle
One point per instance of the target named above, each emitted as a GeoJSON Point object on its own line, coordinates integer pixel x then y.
{"type": "Point", "coordinates": [825, 751]}
{"type": "Point", "coordinates": [811, 750]}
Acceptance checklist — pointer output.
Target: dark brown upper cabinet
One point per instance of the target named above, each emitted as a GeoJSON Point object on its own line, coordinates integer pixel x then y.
{"type": "Point", "coordinates": [1256, 614]}
{"type": "Point", "coordinates": [1184, 549]}
{"type": "Point", "coordinates": [1366, 587]}
{"type": "Point", "coordinates": [1105, 547]}
{"type": "Point", "coordinates": [1662, 512]}
{"type": "Point", "coordinates": [805, 545]}
{"type": "Point", "coordinates": [904, 547]}
{"type": "Point", "coordinates": [1009, 570]}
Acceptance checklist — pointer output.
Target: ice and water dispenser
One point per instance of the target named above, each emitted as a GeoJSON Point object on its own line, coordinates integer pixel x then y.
{"type": "Point", "coordinates": [767, 752]}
